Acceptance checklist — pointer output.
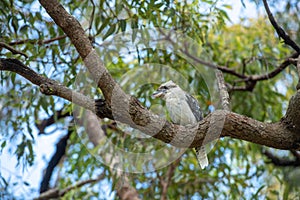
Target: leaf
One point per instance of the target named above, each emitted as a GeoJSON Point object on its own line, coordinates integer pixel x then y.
{"type": "Point", "coordinates": [104, 24]}
{"type": "Point", "coordinates": [255, 196]}
{"type": "Point", "coordinates": [110, 31]}
{"type": "Point", "coordinates": [14, 23]}
{"type": "Point", "coordinates": [24, 29]}
{"type": "Point", "coordinates": [3, 144]}
{"type": "Point", "coordinates": [123, 25]}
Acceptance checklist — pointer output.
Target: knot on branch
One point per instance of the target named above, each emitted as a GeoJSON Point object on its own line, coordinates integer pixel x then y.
{"type": "Point", "coordinates": [47, 89]}
{"type": "Point", "coordinates": [102, 109]}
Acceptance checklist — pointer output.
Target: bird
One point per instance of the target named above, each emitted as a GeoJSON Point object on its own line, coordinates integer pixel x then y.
{"type": "Point", "coordinates": [183, 109]}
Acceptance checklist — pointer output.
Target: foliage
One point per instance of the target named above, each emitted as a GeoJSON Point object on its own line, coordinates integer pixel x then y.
{"type": "Point", "coordinates": [237, 169]}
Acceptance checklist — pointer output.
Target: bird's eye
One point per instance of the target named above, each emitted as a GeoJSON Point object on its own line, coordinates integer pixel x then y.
{"type": "Point", "coordinates": [164, 87]}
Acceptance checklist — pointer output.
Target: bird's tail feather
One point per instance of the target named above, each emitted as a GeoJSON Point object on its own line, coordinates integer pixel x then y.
{"type": "Point", "coordinates": [201, 156]}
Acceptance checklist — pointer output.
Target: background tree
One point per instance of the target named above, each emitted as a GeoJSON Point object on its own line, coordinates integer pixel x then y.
{"type": "Point", "coordinates": [260, 76]}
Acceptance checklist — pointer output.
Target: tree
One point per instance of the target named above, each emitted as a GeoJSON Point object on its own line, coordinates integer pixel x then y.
{"type": "Point", "coordinates": [55, 52]}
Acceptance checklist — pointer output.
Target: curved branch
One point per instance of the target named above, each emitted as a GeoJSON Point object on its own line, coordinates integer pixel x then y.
{"type": "Point", "coordinates": [56, 192]}
{"type": "Point", "coordinates": [59, 153]}
{"type": "Point", "coordinates": [35, 41]}
{"type": "Point", "coordinates": [223, 90]}
{"type": "Point", "coordinates": [276, 71]}
{"type": "Point", "coordinates": [276, 135]}
{"type": "Point", "coordinates": [126, 109]}
{"type": "Point", "coordinates": [280, 135]}
{"type": "Point", "coordinates": [47, 86]}
{"type": "Point", "coordinates": [283, 162]}
{"type": "Point", "coordinates": [287, 40]}
{"type": "Point", "coordinates": [11, 49]}
{"type": "Point", "coordinates": [83, 45]}
{"type": "Point", "coordinates": [250, 81]}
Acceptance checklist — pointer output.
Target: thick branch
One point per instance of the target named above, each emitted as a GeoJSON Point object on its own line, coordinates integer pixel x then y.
{"type": "Point", "coordinates": [59, 153]}
{"type": "Point", "coordinates": [47, 86]}
{"type": "Point", "coordinates": [75, 32]}
{"type": "Point", "coordinates": [298, 70]}
{"type": "Point", "coordinates": [281, 135]}
{"type": "Point", "coordinates": [292, 117]}
{"type": "Point", "coordinates": [223, 90]}
{"type": "Point", "coordinates": [128, 110]}
{"type": "Point", "coordinates": [275, 135]}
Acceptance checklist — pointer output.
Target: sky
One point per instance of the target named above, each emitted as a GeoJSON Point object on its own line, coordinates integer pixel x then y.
{"type": "Point", "coordinates": [44, 146]}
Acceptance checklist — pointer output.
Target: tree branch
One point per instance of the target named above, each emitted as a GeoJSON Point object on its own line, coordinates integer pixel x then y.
{"type": "Point", "coordinates": [287, 40]}
{"type": "Point", "coordinates": [75, 32]}
{"type": "Point", "coordinates": [275, 135]}
{"type": "Point", "coordinates": [280, 135]}
{"type": "Point", "coordinates": [126, 109]}
{"type": "Point", "coordinates": [130, 111]}
{"type": "Point", "coordinates": [250, 81]}
{"type": "Point", "coordinates": [223, 90]}
{"type": "Point", "coordinates": [47, 86]}
{"type": "Point", "coordinates": [40, 42]}
{"type": "Point", "coordinates": [167, 181]}
{"type": "Point", "coordinates": [56, 193]}
{"type": "Point", "coordinates": [59, 153]}
{"type": "Point", "coordinates": [283, 162]}
{"type": "Point", "coordinates": [298, 70]}
{"type": "Point", "coordinates": [277, 70]}
{"type": "Point", "coordinates": [11, 49]}
{"type": "Point", "coordinates": [41, 125]}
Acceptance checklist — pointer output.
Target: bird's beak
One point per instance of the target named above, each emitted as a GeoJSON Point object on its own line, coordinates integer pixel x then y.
{"type": "Point", "coordinates": [158, 93]}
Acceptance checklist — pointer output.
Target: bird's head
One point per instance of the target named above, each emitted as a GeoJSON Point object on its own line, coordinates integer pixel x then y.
{"type": "Point", "coordinates": [164, 89]}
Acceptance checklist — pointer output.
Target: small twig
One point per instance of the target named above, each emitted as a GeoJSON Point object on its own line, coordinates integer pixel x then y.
{"type": "Point", "coordinates": [167, 181]}
{"type": "Point", "coordinates": [211, 65]}
{"type": "Point", "coordinates": [250, 81]}
{"type": "Point", "coordinates": [287, 40]}
{"type": "Point", "coordinates": [283, 162]}
{"type": "Point", "coordinates": [43, 124]}
{"type": "Point", "coordinates": [55, 193]}
{"type": "Point", "coordinates": [276, 71]}
{"type": "Point", "coordinates": [11, 49]}
{"type": "Point", "coordinates": [223, 90]}
{"type": "Point", "coordinates": [92, 16]}
{"type": "Point", "coordinates": [40, 42]}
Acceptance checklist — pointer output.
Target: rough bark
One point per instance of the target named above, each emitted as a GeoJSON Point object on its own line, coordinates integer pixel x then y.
{"type": "Point", "coordinates": [80, 40]}
{"type": "Point", "coordinates": [217, 124]}
{"type": "Point", "coordinates": [281, 135]}
{"type": "Point", "coordinates": [128, 110]}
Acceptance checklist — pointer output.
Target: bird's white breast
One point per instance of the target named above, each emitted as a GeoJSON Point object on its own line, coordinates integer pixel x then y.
{"type": "Point", "coordinates": [178, 108]}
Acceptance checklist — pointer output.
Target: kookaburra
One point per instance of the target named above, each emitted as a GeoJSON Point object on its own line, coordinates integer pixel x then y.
{"type": "Point", "coordinates": [183, 109]}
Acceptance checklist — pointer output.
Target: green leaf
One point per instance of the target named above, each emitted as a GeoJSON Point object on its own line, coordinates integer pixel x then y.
{"type": "Point", "coordinates": [123, 25]}
{"type": "Point", "coordinates": [104, 24]}
{"type": "Point", "coordinates": [3, 144]}
{"type": "Point", "coordinates": [110, 31]}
